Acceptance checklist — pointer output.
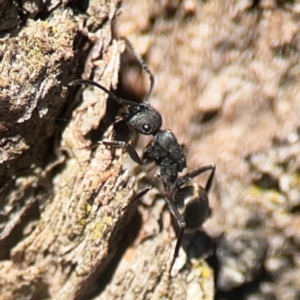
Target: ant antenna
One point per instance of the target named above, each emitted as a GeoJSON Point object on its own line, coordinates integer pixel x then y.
{"type": "Point", "coordinates": [119, 100]}
{"type": "Point", "coordinates": [143, 65]}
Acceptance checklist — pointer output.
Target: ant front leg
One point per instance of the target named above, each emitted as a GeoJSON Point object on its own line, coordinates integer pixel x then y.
{"type": "Point", "coordinates": [131, 151]}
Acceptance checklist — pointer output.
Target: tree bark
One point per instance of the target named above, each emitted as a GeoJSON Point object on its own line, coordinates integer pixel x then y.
{"type": "Point", "coordinates": [61, 197]}
{"type": "Point", "coordinates": [226, 84]}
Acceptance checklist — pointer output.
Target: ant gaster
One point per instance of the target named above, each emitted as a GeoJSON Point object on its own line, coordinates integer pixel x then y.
{"type": "Point", "coordinates": [188, 204]}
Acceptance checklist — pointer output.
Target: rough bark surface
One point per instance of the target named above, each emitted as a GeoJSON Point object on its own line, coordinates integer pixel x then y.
{"type": "Point", "coordinates": [226, 84]}
{"type": "Point", "coordinates": [61, 199]}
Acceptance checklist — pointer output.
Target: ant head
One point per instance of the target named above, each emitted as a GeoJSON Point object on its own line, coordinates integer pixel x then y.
{"type": "Point", "coordinates": [143, 118]}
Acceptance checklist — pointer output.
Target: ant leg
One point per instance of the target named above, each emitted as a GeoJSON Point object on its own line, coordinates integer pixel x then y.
{"type": "Point", "coordinates": [194, 173]}
{"type": "Point", "coordinates": [143, 65]}
{"type": "Point", "coordinates": [181, 222]}
{"type": "Point", "coordinates": [139, 195]}
{"type": "Point", "coordinates": [177, 247]}
{"type": "Point", "coordinates": [131, 151]}
{"type": "Point", "coordinates": [210, 180]}
{"type": "Point", "coordinates": [174, 210]}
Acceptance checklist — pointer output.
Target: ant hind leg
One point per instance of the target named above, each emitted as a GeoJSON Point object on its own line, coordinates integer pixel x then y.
{"type": "Point", "coordinates": [177, 247]}
{"type": "Point", "coordinates": [194, 173]}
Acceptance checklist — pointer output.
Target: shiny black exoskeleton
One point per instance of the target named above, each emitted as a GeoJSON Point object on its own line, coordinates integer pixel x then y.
{"type": "Point", "coordinates": [188, 204]}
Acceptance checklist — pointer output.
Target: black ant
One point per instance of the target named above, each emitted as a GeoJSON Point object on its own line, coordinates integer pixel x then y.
{"type": "Point", "coordinates": [189, 204]}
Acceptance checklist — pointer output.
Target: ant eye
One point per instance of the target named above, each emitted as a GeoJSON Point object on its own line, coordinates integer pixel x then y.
{"type": "Point", "coordinates": [146, 127]}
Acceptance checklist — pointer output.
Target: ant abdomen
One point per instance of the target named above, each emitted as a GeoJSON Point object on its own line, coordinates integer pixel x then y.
{"type": "Point", "coordinates": [192, 203]}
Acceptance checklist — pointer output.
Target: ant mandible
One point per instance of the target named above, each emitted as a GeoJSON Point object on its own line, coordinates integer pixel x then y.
{"type": "Point", "coordinates": [188, 204]}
